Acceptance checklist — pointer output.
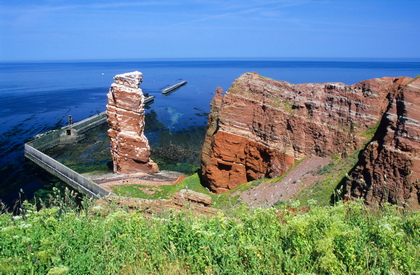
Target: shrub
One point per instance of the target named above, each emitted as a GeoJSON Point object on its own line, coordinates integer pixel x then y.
{"type": "Point", "coordinates": [343, 239]}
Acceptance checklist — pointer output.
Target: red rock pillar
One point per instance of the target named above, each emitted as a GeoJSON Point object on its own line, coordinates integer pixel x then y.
{"type": "Point", "coordinates": [125, 110]}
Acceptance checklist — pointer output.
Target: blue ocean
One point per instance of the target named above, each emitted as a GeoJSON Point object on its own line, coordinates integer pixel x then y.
{"type": "Point", "coordinates": [38, 97]}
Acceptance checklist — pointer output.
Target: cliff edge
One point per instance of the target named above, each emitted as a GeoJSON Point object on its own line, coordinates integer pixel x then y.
{"type": "Point", "coordinates": [261, 127]}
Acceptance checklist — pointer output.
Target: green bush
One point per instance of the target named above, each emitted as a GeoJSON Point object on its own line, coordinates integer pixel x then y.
{"type": "Point", "coordinates": [343, 239]}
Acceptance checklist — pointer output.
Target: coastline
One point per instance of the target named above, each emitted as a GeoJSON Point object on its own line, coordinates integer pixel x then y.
{"type": "Point", "coordinates": [39, 97]}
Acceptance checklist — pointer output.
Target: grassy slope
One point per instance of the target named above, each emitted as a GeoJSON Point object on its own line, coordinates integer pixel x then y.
{"type": "Point", "coordinates": [345, 239]}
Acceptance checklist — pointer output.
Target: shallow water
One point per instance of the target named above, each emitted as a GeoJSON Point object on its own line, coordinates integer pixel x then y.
{"type": "Point", "coordinates": [37, 97]}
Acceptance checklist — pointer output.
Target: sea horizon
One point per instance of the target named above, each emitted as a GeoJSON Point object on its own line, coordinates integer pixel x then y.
{"type": "Point", "coordinates": [186, 59]}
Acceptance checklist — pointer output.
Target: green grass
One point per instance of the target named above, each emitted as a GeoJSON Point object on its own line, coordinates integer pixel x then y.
{"type": "Point", "coordinates": [93, 168]}
{"type": "Point", "coordinates": [335, 171]}
{"type": "Point", "coordinates": [267, 78]}
{"type": "Point", "coordinates": [345, 239]}
{"type": "Point", "coordinates": [160, 192]}
{"type": "Point", "coordinates": [371, 131]}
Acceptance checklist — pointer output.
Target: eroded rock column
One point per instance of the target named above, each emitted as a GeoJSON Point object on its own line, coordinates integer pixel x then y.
{"type": "Point", "coordinates": [125, 110]}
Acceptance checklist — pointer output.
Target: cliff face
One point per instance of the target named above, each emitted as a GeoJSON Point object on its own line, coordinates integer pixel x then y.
{"type": "Point", "coordinates": [389, 167]}
{"type": "Point", "coordinates": [261, 127]}
{"type": "Point", "coordinates": [125, 110]}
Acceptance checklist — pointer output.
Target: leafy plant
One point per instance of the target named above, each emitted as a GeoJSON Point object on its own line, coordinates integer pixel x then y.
{"type": "Point", "coordinates": [343, 239]}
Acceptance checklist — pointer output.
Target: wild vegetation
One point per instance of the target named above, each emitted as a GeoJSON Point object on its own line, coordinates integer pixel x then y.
{"type": "Point", "coordinates": [347, 238]}
{"type": "Point", "coordinates": [62, 235]}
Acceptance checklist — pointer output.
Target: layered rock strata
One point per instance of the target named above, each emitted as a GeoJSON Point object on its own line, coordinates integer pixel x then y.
{"type": "Point", "coordinates": [261, 127]}
{"type": "Point", "coordinates": [125, 110]}
{"type": "Point", "coordinates": [389, 167]}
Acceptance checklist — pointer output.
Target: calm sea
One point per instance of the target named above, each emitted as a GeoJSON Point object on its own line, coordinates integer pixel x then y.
{"type": "Point", "coordinates": [37, 97]}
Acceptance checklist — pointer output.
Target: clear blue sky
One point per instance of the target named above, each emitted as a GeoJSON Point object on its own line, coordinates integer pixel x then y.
{"type": "Point", "coordinates": [34, 30]}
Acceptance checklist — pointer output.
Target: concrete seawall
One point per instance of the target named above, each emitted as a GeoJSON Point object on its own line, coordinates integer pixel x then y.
{"type": "Point", "coordinates": [173, 87]}
{"type": "Point", "coordinates": [67, 134]}
{"type": "Point", "coordinates": [64, 173]}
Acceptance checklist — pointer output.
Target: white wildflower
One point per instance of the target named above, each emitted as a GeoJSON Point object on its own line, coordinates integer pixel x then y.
{"type": "Point", "coordinates": [26, 240]}
{"type": "Point", "coordinates": [25, 225]}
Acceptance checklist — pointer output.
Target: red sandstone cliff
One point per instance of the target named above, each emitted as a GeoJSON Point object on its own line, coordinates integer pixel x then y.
{"type": "Point", "coordinates": [261, 127]}
{"type": "Point", "coordinates": [389, 167]}
{"type": "Point", "coordinates": [125, 110]}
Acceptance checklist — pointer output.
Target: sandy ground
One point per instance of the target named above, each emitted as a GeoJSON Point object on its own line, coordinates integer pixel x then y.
{"type": "Point", "coordinates": [269, 192]}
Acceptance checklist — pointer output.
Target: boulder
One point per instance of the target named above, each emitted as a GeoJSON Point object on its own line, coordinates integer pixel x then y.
{"type": "Point", "coordinates": [193, 196]}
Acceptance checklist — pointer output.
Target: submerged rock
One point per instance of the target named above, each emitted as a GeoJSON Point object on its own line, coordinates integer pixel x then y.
{"type": "Point", "coordinates": [125, 110]}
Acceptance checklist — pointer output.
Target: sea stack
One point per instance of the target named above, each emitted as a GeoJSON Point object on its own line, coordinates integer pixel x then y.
{"type": "Point", "coordinates": [125, 110]}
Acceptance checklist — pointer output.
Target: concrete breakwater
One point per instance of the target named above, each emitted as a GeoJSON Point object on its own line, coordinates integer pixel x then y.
{"type": "Point", "coordinates": [68, 134]}
{"type": "Point", "coordinates": [173, 87]}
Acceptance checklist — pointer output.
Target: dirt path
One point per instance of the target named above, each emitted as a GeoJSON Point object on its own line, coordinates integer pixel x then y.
{"type": "Point", "coordinates": [269, 192]}
{"type": "Point", "coordinates": [162, 178]}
